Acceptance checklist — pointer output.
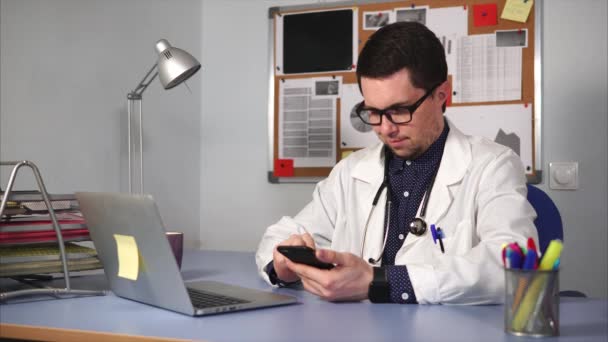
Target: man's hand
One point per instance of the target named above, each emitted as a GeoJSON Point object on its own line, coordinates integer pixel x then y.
{"type": "Point", "coordinates": [280, 261]}
{"type": "Point", "coordinates": [349, 280]}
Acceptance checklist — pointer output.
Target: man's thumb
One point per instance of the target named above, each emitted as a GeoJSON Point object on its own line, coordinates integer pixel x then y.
{"type": "Point", "coordinates": [332, 257]}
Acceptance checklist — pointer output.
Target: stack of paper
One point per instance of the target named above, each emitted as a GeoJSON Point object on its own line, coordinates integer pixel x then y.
{"type": "Point", "coordinates": [21, 260]}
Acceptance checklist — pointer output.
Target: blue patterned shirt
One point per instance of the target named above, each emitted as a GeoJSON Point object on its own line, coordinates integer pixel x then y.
{"type": "Point", "coordinates": [408, 181]}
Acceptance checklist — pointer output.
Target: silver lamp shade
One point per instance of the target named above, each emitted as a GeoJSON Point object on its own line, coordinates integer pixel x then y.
{"type": "Point", "coordinates": [174, 65]}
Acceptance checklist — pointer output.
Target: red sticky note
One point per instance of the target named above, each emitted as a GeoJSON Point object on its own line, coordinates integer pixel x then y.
{"type": "Point", "coordinates": [448, 102]}
{"type": "Point", "coordinates": [485, 15]}
{"type": "Point", "coordinates": [283, 168]}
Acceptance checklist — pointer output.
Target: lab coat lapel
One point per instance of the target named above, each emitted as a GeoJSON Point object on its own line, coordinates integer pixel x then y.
{"type": "Point", "coordinates": [370, 170]}
{"type": "Point", "coordinates": [456, 157]}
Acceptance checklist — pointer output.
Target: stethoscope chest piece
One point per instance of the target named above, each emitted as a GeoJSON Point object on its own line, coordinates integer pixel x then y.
{"type": "Point", "coordinates": [418, 226]}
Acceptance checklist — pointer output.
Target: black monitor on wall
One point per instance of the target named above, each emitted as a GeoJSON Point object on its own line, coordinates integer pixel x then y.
{"type": "Point", "coordinates": [318, 41]}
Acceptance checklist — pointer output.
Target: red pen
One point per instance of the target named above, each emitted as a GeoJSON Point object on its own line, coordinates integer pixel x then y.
{"type": "Point", "coordinates": [504, 254]}
{"type": "Point", "coordinates": [532, 247]}
{"type": "Point", "coordinates": [515, 248]}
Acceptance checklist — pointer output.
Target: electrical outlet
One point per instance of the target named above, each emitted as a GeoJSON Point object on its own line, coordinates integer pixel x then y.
{"type": "Point", "coordinates": [563, 175]}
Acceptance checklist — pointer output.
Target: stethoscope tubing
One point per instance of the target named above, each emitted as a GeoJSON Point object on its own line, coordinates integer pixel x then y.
{"type": "Point", "coordinates": [387, 208]}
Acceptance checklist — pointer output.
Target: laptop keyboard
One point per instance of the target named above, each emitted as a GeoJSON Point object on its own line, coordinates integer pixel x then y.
{"type": "Point", "coordinates": [201, 299]}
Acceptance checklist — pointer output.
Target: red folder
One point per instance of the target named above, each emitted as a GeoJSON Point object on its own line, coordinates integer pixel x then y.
{"type": "Point", "coordinates": [42, 236]}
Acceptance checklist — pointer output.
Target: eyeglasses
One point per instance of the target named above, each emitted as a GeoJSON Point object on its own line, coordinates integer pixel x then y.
{"type": "Point", "coordinates": [399, 115]}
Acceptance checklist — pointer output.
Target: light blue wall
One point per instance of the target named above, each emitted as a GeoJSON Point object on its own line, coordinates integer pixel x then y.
{"type": "Point", "coordinates": [68, 64]}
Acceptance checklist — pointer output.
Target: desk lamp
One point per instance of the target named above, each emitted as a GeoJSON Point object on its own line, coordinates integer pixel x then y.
{"type": "Point", "coordinates": [173, 67]}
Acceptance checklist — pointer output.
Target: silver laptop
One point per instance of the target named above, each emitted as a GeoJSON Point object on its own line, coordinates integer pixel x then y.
{"type": "Point", "coordinates": [158, 279]}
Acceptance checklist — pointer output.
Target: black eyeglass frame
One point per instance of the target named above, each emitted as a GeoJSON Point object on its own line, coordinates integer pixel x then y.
{"type": "Point", "coordinates": [384, 112]}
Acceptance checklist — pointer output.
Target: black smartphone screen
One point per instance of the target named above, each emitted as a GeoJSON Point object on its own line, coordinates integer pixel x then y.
{"type": "Point", "coordinates": [303, 255]}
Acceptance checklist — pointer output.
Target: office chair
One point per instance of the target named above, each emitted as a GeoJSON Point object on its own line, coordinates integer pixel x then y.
{"type": "Point", "coordinates": [548, 221]}
{"type": "Point", "coordinates": [548, 224]}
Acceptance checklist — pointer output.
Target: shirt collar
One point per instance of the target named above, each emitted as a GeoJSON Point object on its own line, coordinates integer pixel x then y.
{"type": "Point", "coordinates": [432, 156]}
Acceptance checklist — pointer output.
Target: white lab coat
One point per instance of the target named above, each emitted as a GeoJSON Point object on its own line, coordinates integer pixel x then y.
{"type": "Point", "coordinates": [478, 200]}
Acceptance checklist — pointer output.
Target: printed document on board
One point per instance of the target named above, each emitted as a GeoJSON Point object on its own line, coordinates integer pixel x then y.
{"type": "Point", "coordinates": [307, 120]}
{"type": "Point", "coordinates": [486, 72]}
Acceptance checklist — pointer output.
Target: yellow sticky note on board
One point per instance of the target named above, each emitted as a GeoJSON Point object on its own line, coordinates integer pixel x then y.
{"type": "Point", "coordinates": [517, 10]}
{"type": "Point", "coordinates": [346, 153]}
{"type": "Point", "coordinates": [128, 256]}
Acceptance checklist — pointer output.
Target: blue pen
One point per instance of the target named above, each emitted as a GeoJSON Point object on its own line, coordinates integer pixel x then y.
{"type": "Point", "coordinates": [530, 260]}
{"type": "Point", "coordinates": [515, 247]}
{"type": "Point", "coordinates": [437, 235]}
{"type": "Point", "coordinates": [440, 237]}
{"type": "Point", "coordinates": [434, 233]}
{"type": "Point", "coordinates": [516, 259]}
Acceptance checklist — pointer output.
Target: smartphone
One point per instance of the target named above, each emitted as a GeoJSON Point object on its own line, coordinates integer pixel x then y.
{"type": "Point", "coordinates": [303, 255]}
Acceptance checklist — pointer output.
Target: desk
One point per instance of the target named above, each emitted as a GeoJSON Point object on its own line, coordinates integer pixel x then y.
{"type": "Point", "coordinates": [310, 320]}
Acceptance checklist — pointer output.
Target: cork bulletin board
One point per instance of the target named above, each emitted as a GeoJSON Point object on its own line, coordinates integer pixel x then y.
{"type": "Point", "coordinates": [493, 53]}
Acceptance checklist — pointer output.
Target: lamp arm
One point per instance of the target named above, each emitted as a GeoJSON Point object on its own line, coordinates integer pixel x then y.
{"type": "Point", "coordinates": [143, 84]}
{"type": "Point", "coordinates": [134, 100]}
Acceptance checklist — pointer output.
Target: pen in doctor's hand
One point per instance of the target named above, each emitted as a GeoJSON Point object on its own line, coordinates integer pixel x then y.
{"type": "Point", "coordinates": [303, 231]}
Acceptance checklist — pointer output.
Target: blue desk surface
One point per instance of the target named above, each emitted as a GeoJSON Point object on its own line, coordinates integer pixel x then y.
{"type": "Point", "coordinates": [312, 319]}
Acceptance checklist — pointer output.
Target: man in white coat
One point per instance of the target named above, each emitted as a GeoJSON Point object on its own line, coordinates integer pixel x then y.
{"type": "Point", "coordinates": [422, 216]}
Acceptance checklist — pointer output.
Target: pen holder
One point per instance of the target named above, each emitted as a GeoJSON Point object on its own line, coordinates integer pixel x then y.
{"type": "Point", "coordinates": [532, 302]}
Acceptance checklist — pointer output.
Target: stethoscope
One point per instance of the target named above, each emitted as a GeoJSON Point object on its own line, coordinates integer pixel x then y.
{"type": "Point", "coordinates": [418, 226]}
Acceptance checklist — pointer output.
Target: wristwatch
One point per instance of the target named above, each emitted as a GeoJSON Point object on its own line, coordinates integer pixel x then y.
{"type": "Point", "coordinates": [274, 279]}
{"type": "Point", "coordinates": [379, 291]}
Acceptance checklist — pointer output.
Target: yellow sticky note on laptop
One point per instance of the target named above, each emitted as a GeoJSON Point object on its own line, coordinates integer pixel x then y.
{"type": "Point", "coordinates": [517, 10]}
{"type": "Point", "coordinates": [128, 256]}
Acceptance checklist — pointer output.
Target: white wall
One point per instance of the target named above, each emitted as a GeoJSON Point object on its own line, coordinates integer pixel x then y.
{"type": "Point", "coordinates": [206, 157]}
{"type": "Point", "coordinates": [66, 68]}
{"type": "Point", "coordinates": [575, 122]}
{"type": "Point", "coordinates": [237, 201]}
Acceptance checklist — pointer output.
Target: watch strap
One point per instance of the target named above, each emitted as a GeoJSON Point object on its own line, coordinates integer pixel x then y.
{"type": "Point", "coordinates": [274, 278]}
{"type": "Point", "coordinates": [379, 291]}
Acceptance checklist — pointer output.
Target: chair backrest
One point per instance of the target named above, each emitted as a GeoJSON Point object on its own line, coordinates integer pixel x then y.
{"type": "Point", "coordinates": [549, 225]}
{"type": "Point", "coordinates": [548, 221]}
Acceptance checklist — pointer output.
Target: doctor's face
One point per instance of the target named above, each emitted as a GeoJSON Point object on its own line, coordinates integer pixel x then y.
{"type": "Point", "coordinates": [411, 139]}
